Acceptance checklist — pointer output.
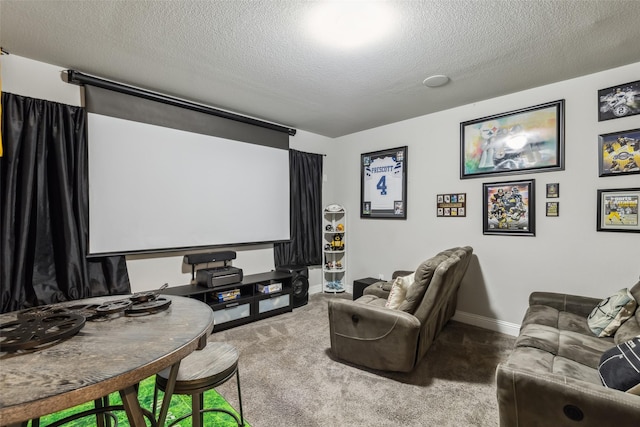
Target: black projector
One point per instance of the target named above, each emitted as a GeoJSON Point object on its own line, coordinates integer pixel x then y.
{"type": "Point", "coordinates": [219, 276]}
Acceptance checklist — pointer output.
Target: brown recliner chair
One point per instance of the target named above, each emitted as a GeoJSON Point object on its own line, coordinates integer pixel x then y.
{"type": "Point", "coordinates": [365, 332]}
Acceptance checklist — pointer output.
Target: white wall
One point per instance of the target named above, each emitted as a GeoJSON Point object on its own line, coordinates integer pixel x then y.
{"type": "Point", "coordinates": [566, 255]}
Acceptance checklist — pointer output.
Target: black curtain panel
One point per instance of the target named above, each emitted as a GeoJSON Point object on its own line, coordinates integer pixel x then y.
{"type": "Point", "coordinates": [44, 209]}
{"type": "Point", "coordinates": [305, 206]}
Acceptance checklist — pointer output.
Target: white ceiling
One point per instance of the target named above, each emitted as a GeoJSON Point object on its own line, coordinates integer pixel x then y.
{"type": "Point", "coordinates": [258, 59]}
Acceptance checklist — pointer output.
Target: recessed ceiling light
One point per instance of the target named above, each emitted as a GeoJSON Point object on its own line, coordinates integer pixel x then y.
{"type": "Point", "coordinates": [350, 24]}
{"type": "Point", "coordinates": [436, 81]}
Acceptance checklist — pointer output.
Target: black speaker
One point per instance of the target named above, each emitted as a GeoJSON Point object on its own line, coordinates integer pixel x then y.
{"type": "Point", "coordinates": [300, 282]}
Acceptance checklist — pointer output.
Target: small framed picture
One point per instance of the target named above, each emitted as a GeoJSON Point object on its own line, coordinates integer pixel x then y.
{"type": "Point", "coordinates": [553, 209]}
{"type": "Point", "coordinates": [553, 190]}
{"type": "Point", "coordinates": [619, 153]}
{"type": "Point", "coordinates": [509, 208]}
{"type": "Point", "coordinates": [618, 210]}
{"type": "Point", "coordinates": [619, 101]}
{"type": "Point", "coordinates": [452, 204]}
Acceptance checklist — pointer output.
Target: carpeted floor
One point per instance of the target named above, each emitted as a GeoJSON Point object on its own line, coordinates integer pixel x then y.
{"type": "Point", "coordinates": [289, 378]}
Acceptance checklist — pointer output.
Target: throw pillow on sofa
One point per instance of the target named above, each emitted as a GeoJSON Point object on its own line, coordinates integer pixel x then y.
{"type": "Point", "coordinates": [399, 290]}
{"type": "Point", "coordinates": [609, 314]}
{"type": "Point", "coordinates": [619, 366]}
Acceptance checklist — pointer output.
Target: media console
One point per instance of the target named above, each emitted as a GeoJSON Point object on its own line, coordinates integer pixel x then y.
{"type": "Point", "coordinates": [251, 304]}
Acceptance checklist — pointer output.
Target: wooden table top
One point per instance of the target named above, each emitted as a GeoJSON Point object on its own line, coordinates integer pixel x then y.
{"type": "Point", "coordinates": [103, 357]}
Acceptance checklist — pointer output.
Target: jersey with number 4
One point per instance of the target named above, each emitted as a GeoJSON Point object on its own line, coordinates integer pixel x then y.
{"type": "Point", "coordinates": [383, 183]}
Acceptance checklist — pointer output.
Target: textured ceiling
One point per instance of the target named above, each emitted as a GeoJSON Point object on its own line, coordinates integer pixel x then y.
{"type": "Point", "coordinates": [258, 59]}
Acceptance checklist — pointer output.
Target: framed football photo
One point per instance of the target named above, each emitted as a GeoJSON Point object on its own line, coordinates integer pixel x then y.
{"type": "Point", "coordinates": [618, 210]}
{"type": "Point", "coordinates": [619, 153]}
{"type": "Point", "coordinates": [509, 208]}
{"type": "Point", "coordinates": [383, 179]}
{"type": "Point", "coordinates": [619, 101]}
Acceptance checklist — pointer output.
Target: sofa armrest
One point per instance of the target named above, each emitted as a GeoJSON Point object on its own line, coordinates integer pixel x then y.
{"type": "Point", "coordinates": [372, 336]}
{"type": "Point", "coordinates": [564, 302]}
{"type": "Point", "coordinates": [382, 288]}
{"type": "Point", "coordinates": [379, 289]}
{"type": "Point", "coordinates": [533, 398]}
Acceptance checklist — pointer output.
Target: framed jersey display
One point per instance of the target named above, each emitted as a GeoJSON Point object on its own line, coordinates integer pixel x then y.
{"type": "Point", "coordinates": [383, 189]}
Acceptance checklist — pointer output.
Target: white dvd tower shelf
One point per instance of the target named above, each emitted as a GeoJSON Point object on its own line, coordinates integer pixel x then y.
{"type": "Point", "coordinates": [334, 251]}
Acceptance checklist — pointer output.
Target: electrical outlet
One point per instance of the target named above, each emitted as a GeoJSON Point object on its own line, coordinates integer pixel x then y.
{"type": "Point", "coordinates": [380, 276]}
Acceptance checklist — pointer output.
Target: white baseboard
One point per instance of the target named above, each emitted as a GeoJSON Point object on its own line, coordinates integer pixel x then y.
{"type": "Point", "coordinates": [315, 289]}
{"type": "Point", "coordinates": [496, 325]}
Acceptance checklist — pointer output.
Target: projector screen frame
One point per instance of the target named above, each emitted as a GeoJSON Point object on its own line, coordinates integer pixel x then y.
{"type": "Point", "coordinates": [75, 77]}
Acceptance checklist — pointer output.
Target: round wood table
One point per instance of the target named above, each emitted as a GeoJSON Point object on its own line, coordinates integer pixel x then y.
{"type": "Point", "coordinates": [105, 356]}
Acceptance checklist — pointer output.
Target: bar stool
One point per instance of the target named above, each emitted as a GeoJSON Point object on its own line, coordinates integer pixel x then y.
{"type": "Point", "coordinates": [200, 371]}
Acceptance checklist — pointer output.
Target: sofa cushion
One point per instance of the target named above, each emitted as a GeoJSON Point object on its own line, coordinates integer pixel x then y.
{"type": "Point", "coordinates": [619, 366]}
{"type": "Point", "coordinates": [563, 320]}
{"type": "Point", "coordinates": [628, 330]}
{"type": "Point", "coordinates": [423, 276]}
{"type": "Point", "coordinates": [607, 316]}
{"type": "Point", "coordinates": [635, 291]}
{"type": "Point", "coordinates": [399, 290]}
{"type": "Point", "coordinates": [544, 363]}
{"type": "Point", "coordinates": [574, 346]}
{"type": "Point", "coordinates": [371, 300]}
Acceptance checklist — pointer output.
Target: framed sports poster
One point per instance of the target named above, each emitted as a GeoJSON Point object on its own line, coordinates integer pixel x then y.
{"type": "Point", "coordinates": [618, 210]}
{"type": "Point", "coordinates": [619, 101]}
{"type": "Point", "coordinates": [383, 189]}
{"type": "Point", "coordinates": [509, 208]}
{"type": "Point", "coordinates": [522, 141]}
{"type": "Point", "coordinates": [619, 153]}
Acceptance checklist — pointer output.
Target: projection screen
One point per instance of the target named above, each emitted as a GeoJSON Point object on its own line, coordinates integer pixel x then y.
{"type": "Point", "coordinates": [165, 179]}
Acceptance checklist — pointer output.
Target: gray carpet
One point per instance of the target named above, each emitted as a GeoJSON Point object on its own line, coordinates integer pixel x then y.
{"type": "Point", "coordinates": [289, 378]}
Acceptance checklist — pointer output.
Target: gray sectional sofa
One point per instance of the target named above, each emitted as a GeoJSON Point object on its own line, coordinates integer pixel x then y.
{"type": "Point", "coordinates": [552, 379]}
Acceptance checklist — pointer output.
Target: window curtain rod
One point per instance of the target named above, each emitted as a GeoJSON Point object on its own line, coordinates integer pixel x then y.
{"type": "Point", "coordinates": [76, 77]}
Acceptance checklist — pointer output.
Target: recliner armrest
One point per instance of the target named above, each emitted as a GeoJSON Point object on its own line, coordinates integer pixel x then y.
{"type": "Point", "coordinates": [372, 336]}
{"type": "Point", "coordinates": [576, 304]}
{"type": "Point", "coordinates": [527, 397]}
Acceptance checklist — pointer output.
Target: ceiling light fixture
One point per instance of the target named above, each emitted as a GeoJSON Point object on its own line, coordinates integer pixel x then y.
{"type": "Point", "coordinates": [436, 81]}
{"type": "Point", "coordinates": [350, 24]}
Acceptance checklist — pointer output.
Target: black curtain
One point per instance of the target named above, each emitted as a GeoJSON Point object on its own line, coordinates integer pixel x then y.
{"type": "Point", "coordinates": [305, 206]}
{"type": "Point", "coordinates": [44, 209]}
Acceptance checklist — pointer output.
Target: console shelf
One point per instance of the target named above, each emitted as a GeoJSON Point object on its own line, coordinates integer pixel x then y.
{"type": "Point", "coordinates": [249, 306]}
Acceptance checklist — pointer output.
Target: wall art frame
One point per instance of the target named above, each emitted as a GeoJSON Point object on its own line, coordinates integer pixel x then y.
{"type": "Point", "coordinates": [552, 209]}
{"type": "Point", "coordinates": [618, 210]}
{"type": "Point", "coordinates": [451, 205]}
{"type": "Point", "coordinates": [509, 208]}
{"type": "Point", "coordinates": [383, 184]}
{"type": "Point", "coordinates": [522, 141]}
{"type": "Point", "coordinates": [619, 101]}
{"type": "Point", "coordinates": [619, 153]}
{"type": "Point", "coordinates": [553, 190]}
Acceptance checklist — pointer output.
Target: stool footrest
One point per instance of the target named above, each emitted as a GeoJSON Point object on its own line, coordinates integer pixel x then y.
{"type": "Point", "coordinates": [202, 411]}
